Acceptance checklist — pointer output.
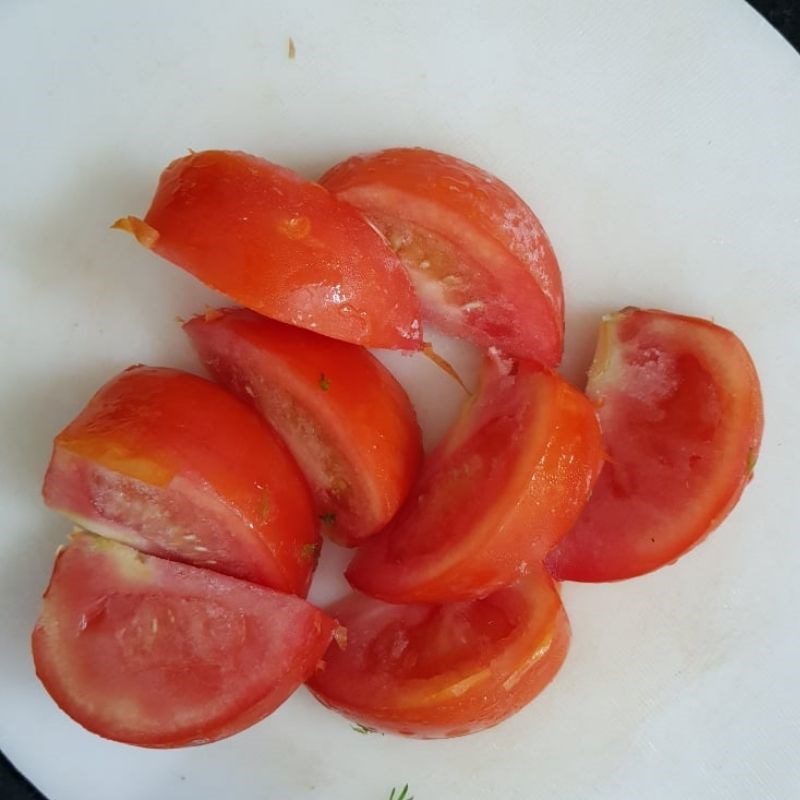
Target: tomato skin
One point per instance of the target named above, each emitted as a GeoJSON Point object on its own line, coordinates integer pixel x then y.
{"type": "Point", "coordinates": [440, 671]}
{"type": "Point", "coordinates": [161, 654]}
{"type": "Point", "coordinates": [681, 410]}
{"type": "Point", "coordinates": [481, 262]}
{"type": "Point", "coordinates": [178, 467]}
{"type": "Point", "coordinates": [281, 245]}
{"type": "Point", "coordinates": [508, 480]}
{"type": "Point", "coordinates": [346, 420]}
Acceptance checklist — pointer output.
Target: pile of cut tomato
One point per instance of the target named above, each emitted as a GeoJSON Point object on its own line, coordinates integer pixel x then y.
{"type": "Point", "coordinates": [176, 614]}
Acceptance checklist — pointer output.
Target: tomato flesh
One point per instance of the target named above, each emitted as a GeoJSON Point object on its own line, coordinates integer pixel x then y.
{"type": "Point", "coordinates": [177, 467]}
{"type": "Point", "coordinates": [479, 258]}
{"type": "Point", "coordinates": [500, 490]}
{"type": "Point", "coordinates": [161, 654]}
{"type": "Point", "coordinates": [445, 670]}
{"type": "Point", "coordinates": [346, 420]}
{"type": "Point", "coordinates": [281, 245]}
{"type": "Point", "coordinates": [681, 412]}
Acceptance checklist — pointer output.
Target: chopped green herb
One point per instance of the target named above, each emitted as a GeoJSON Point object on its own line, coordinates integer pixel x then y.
{"type": "Point", "coordinates": [324, 383]}
{"type": "Point", "coordinates": [402, 794]}
{"type": "Point", "coordinates": [362, 729]}
{"type": "Point", "coordinates": [310, 552]}
{"type": "Point", "coordinates": [328, 519]}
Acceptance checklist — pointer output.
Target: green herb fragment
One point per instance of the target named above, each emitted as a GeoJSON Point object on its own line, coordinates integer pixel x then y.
{"type": "Point", "coordinates": [362, 729]}
{"type": "Point", "coordinates": [401, 795]}
{"type": "Point", "coordinates": [310, 552]}
{"type": "Point", "coordinates": [328, 519]}
{"type": "Point", "coordinates": [324, 383]}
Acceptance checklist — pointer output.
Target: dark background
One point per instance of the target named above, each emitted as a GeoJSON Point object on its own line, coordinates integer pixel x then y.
{"type": "Point", "coordinates": [783, 15]}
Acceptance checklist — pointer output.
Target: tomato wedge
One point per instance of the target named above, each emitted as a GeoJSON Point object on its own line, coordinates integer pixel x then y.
{"type": "Point", "coordinates": [281, 245]}
{"type": "Point", "coordinates": [505, 484]}
{"type": "Point", "coordinates": [680, 408]}
{"type": "Point", "coordinates": [177, 467]}
{"type": "Point", "coordinates": [161, 654]}
{"type": "Point", "coordinates": [445, 670]}
{"type": "Point", "coordinates": [346, 420]}
{"type": "Point", "coordinates": [480, 260]}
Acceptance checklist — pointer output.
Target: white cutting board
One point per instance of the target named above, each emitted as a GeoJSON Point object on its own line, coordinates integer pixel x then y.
{"type": "Point", "coordinates": [660, 145]}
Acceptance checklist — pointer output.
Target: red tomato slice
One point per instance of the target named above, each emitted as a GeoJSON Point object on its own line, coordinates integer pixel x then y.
{"type": "Point", "coordinates": [346, 420]}
{"type": "Point", "coordinates": [479, 258]}
{"type": "Point", "coordinates": [680, 408]}
{"type": "Point", "coordinates": [161, 654]}
{"type": "Point", "coordinates": [445, 670]}
{"type": "Point", "coordinates": [281, 245]}
{"type": "Point", "coordinates": [176, 466]}
{"type": "Point", "coordinates": [501, 489]}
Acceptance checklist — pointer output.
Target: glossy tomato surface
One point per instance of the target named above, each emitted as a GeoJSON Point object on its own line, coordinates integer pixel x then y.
{"type": "Point", "coordinates": [444, 670]}
{"type": "Point", "coordinates": [506, 483]}
{"type": "Point", "coordinates": [346, 420]}
{"type": "Point", "coordinates": [161, 654]}
{"type": "Point", "coordinates": [281, 245]}
{"type": "Point", "coordinates": [176, 466]}
{"type": "Point", "coordinates": [681, 412]}
{"type": "Point", "coordinates": [480, 260]}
